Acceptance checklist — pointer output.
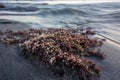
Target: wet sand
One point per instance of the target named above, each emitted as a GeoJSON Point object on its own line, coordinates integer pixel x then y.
{"type": "Point", "coordinates": [13, 25]}
{"type": "Point", "coordinates": [13, 66]}
{"type": "Point", "coordinates": [110, 66]}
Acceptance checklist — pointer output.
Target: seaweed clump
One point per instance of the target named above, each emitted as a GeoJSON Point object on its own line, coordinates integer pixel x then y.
{"type": "Point", "coordinates": [60, 49]}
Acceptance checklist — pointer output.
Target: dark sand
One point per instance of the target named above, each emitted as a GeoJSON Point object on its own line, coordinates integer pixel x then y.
{"type": "Point", "coordinates": [13, 66]}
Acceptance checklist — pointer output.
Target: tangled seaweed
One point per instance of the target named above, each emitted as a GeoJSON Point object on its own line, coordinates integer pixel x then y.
{"type": "Point", "coordinates": [60, 48]}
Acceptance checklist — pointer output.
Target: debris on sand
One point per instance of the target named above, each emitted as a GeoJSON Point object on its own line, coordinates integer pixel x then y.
{"type": "Point", "coordinates": [60, 49]}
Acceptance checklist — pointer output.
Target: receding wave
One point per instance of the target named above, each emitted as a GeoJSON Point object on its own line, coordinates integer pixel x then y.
{"type": "Point", "coordinates": [65, 11]}
{"type": "Point", "coordinates": [45, 11]}
{"type": "Point", "coordinates": [97, 16]}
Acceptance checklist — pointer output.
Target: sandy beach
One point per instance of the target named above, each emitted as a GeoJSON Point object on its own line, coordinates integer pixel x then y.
{"type": "Point", "coordinates": [13, 66]}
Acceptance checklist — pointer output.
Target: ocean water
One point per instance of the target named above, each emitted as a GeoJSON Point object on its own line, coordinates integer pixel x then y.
{"type": "Point", "coordinates": [104, 18]}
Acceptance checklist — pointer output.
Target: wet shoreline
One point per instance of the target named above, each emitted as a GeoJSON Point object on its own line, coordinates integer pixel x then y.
{"type": "Point", "coordinates": [15, 67]}
{"type": "Point", "coordinates": [104, 18]}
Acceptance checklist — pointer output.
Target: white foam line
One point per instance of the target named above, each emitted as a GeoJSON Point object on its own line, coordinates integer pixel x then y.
{"type": "Point", "coordinates": [23, 18]}
{"type": "Point", "coordinates": [62, 2]}
{"type": "Point", "coordinates": [110, 40]}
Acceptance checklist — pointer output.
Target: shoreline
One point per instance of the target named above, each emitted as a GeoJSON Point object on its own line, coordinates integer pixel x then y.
{"type": "Point", "coordinates": [13, 25]}
{"type": "Point", "coordinates": [15, 67]}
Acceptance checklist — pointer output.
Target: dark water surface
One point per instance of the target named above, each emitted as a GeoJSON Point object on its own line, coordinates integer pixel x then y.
{"type": "Point", "coordinates": [103, 17]}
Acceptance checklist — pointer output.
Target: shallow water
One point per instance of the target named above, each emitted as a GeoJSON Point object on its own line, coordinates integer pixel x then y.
{"type": "Point", "coordinates": [104, 18]}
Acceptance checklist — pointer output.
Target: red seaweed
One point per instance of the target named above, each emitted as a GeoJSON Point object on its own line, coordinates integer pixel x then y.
{"type": "Point", "coordinates": [60, 49]}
